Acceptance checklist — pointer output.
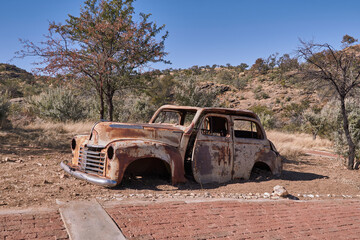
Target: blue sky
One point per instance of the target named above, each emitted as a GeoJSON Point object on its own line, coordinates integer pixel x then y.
{"type": "Point", "coordinates": [201, 32]}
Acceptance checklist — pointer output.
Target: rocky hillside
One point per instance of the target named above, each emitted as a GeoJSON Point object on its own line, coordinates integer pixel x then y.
{"type": "Point", "coordinates": [8, 72]}
{"type": "Point", "coordinates": [274, 95]}
{"type": "Point", "coordinates": [16, 82]}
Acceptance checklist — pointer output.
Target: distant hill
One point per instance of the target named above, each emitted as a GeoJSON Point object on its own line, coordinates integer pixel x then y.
{"type": "Point", "coordinates": [8, 71]}
{"type": "Point", "coordinates": [16, 82]}
{"type": "Point", "coordinates": [274, 95]}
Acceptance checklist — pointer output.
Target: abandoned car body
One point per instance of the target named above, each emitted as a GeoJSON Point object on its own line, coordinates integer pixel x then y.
{"type": "Point", "coordinates": [210, 144]}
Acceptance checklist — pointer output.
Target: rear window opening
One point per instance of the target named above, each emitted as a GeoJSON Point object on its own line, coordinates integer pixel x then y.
{"type": "Point", "coordinates": [215, 126]}
{"type": "Point", "coordinates": [247, 129]}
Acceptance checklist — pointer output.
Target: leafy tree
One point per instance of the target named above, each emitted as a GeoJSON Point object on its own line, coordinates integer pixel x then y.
{"type": "Point", "coordinates": [286, 63]}
{"type": "Point", "coordinates": [260, 66]}
{"type": "Point", "coordinates": [242, 67]}
{"type": "Point", "coordinates": [272, 61]}
{"type": "Point", "coordinates": [104, 46]}
{"type": "Point", "coordinates": [339, 70]}
{"type": "Point", "coordinates": [348, 40]}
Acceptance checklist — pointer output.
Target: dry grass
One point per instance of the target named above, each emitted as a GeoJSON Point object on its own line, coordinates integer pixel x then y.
{"type": "Point", "coordinates": [289, 145]}
{"type": "Point", "coordinates": [73, 128]}
{"type": "Point", "coordinates": [47, 134]}
{"type": "Point", "coordinates": [294, 144]}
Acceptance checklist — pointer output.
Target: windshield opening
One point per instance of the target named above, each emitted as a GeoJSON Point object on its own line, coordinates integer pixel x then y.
{"type": "Point", "coordinates": [176, 117]}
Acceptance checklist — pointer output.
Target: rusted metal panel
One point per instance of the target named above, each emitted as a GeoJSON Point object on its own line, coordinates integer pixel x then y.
{"type": "Point", "coordinates": [216, 157]}
{"type": "Point", "coordinates": [212, 155]}
{"type": "Point", "coordinates": [76, 143]}
{"type": "Point", "coordinates": [108, 131]}
{"type": "Point", "coordinates": [130, 151]}
{"type": "Point", "coordinates": [245, 156]}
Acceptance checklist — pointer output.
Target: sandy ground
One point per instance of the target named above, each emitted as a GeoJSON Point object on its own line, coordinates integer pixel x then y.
{"type": "Point", "coordinates": [30, 175]}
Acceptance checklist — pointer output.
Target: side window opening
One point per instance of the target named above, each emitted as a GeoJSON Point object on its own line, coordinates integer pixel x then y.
{"type": "Point", "coordinates": [247, 129]}
{"type": "Point", "coordinates": [215, 126]}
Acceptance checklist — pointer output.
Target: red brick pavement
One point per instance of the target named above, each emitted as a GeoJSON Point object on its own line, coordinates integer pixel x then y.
{"type": "Point", "coordinates": [32, 225]}
{"type": "Point", "coordinates": [284, 219]}
{"type": "Point", "coordinates": [336, 219]}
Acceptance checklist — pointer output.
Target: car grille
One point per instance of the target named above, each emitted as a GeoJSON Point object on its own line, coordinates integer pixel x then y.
{"type": "Point", "coordinates": [91, 160]}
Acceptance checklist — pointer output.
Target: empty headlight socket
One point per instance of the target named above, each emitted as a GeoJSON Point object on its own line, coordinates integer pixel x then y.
{"type": "Point", "coordinates": [110, 152]}
{"type": "Point", "coordinates": [73, 144]}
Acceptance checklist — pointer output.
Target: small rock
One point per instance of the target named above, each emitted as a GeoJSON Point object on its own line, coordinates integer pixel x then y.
{"type": "Point", "coordinates": [47, 182]}
{"type": "Point", "coordinates": [7, 159]}
{"type": "Point", "coordinates": [310, 196]}
{"type": "Point", "coordinates": [64, 176]}
{"type": "Point", "coordinates": [266, 195]}
{"type": "Point", "coordinates": [39, 164]}
{"type": "Point", "coordinates": [280, 191]}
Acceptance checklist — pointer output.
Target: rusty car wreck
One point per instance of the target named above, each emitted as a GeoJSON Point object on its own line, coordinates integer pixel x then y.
{"type": "Point", "coordinates": [209, 144]}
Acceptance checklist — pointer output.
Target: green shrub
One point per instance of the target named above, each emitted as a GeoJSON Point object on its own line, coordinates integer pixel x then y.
{"type": "Point", "coordinates": [4, 108]}
{"type": "Point", "coordinates": [59, 104]}
{"type": "Point", "coordinates": [225, 77]}
{"type": "Point", "coordinates": [335, 121]}
{"type": "Point", "coordinates": [258, 89]}
{"type": "Point", "coordinates": [266, 116]}
{"type": "Point", "coordinates": [188, 93]}
{"type": "Point", "coordinates": [240, 83]}
{"type": "Point", "coordinates": [261, 95]}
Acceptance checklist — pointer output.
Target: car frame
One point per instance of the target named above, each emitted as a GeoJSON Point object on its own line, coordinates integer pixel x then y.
{"type": "Point", "coordinates": [206, 144]}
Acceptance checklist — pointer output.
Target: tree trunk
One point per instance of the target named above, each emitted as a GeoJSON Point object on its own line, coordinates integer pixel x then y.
{"type": "Point", "coordinates": [110, 107]}
{"type": "Point", "coordinates": [109, 97]}
{"type": "Point", "coordinates": [102, 105]}
{"type": "Point", "coordinates": [101, 96]}
{"type": "Point", "coordinates": [314, 135]}
{"type": "Point", "coordinates": [350, 163]}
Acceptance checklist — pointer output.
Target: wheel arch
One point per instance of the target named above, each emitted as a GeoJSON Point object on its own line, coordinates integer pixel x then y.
{"type": "Point", "coordinates": [129, 151]}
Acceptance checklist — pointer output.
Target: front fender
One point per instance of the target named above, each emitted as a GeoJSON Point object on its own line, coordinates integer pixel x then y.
{"type": "Point", "coordinates": [127, 151]}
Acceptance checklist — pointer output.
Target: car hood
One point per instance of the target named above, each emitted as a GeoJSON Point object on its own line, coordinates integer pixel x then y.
{"type": "Point", "coordinates": [104, 133]}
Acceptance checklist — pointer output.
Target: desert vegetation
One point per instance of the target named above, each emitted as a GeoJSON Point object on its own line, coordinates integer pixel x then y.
{"type": "Point", "coordinates": [92, 72]}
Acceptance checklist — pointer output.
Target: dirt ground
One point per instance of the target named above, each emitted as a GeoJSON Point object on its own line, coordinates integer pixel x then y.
{"type": "Point", "coordinates": [30, 175]}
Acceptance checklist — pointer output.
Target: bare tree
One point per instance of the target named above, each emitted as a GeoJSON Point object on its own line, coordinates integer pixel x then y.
{"type": "Point", "coordinates": [338, 70]}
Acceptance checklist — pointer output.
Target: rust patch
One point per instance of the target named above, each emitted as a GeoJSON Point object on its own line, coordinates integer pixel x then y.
{"type": "Point", "coordinates": [215, 158]}
{"type": "Point", "coordinates": [202, 162]}
{"type": "Point", "coordinates": [268, 157]}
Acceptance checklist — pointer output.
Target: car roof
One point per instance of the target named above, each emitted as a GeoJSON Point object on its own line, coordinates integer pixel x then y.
{"type": "Point", "coordinates": [228, 111]}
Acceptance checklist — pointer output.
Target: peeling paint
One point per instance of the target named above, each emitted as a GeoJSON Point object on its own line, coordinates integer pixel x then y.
{"type": "Point", "coordinates": [217, 155]}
